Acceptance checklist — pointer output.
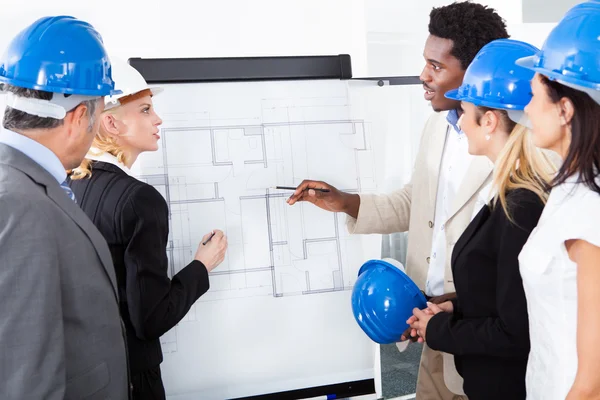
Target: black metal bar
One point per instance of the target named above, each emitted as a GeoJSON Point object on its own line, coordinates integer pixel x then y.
{"type": "Point", "coordinates": [234, 69]}
{"type": "Point", "coordinates": [341, 390]}
{"type": "Point", "coordinates": [393, 80]}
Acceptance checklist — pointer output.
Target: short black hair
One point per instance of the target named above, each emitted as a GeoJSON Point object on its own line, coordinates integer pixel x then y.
{"type": "Point", "coordinates": [470, 26]}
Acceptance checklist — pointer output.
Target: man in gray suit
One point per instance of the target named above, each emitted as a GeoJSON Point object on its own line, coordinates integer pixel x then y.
{"type": "Point", "coordinates": [61, 335]}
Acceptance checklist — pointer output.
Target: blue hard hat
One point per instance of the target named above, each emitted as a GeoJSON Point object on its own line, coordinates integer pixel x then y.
{"type": "Point", "coordinates": [571, 53]}
{"type": "Point", "coordinates": [60, 55]}
{"type": "Point", "coordinates": [493, 80]}
{"type": "Point", "coordinates": [383, 299]}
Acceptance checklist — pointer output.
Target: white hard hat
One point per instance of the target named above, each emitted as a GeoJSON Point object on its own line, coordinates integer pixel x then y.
{"type": "Point", "coordinates": [128, 80]}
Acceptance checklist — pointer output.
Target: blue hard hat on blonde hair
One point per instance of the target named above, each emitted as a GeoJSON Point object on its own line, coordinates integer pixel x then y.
{"type": "Point", "coordinates": [571, 53]}
{"type": "Point", "coordinates": [383, 298]}
{"type": "Point", "coordinates": [59, 55]}
{"type": "Point", "coordinates": [493, 80]}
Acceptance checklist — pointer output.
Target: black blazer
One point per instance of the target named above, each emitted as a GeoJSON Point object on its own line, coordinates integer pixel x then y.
{"type": "Point", "coordinates": [489, 332]}
{"type": "Point", "coordinates": [134, 219]}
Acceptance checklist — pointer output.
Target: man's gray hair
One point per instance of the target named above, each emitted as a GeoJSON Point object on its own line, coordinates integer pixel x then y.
{"type": "Point", "coordinates": [16, 120]}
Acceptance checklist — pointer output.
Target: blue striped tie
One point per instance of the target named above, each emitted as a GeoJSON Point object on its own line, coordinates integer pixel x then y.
{"type": "Point", "coordinates": [68, 191]}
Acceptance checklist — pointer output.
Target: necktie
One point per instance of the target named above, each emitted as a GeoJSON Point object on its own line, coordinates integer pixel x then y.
{"type": "Point", "coordinates": [68, 191]}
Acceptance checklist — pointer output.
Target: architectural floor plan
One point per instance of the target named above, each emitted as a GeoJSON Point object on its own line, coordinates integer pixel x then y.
{"type": "Point", "coordinates": [221, 174]}
{"type": "Point", "coordinates": [223, 148]}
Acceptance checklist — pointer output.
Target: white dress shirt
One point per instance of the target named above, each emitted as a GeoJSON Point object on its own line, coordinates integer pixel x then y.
{"type": "Point", "coordinates": [484, 197]}
{"type": "Point", "coordinates": [455, 162]}
{"type": "Point", "coordinates": [550, 282]}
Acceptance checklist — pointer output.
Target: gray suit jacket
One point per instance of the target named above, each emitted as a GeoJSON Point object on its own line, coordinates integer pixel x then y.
{"type": "Point", "coordinates": [60, 331]}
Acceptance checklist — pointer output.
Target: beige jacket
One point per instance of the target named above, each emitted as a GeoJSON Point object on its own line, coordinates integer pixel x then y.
{"type": "Point", "coordinates": [412, 209]}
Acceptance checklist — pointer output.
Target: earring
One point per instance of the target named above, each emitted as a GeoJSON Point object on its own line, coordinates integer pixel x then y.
{"type": "Point", "coordinates": [487, 137]}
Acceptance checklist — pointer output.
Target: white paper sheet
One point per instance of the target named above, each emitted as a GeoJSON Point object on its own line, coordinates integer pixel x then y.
{"type": "Point", "coordinates": [278, 315]}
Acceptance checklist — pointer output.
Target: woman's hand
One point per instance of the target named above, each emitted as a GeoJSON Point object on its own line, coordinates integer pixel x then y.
{"type": "Point", "coordinates": [418, 322]}
{"type": "Point", "coordinates": [211, 251]}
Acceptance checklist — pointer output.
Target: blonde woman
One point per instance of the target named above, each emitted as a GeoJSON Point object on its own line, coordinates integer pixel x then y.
{"type": "Point", "coordinates": [486, 326]}
{"type": "Point", "coordinates": [133, 217]}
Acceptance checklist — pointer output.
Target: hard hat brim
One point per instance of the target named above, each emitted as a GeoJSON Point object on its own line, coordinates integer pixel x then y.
{"type": "Point", "coordinates": [110, 103]}
{"type": "Point", "coordinates": [453, 95]}
{"type": "Point", "coordinates": [156, 90]}
{"type": "Point", "coordinates": [531, 61]}
{"type": "Point", "coordinates": [527, 62]}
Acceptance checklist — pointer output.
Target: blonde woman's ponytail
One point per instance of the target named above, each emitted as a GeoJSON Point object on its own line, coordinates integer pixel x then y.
{"type": "Point", "coordinates": [521, 165]}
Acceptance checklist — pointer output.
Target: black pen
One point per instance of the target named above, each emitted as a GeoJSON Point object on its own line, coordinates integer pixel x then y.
{"type": "Point", "coordinates": [208, 240]}
{"type": "Point", "coordinates": [293, 188]}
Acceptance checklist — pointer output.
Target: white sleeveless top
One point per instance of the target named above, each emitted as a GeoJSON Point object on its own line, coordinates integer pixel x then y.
{"type": "Point", "coordinates": [550, 282]}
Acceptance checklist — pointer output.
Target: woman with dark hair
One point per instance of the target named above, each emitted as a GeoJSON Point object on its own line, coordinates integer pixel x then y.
{"type": "Point", "coordinates": [560, 263]}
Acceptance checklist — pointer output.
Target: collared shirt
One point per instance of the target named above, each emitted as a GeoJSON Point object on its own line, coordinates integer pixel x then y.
{"type": "Point", "coordinates": [99, 155]}
{"type": "Point", "coordinates": [484, 197]}
{"type": "Point", "coordinates": [36, 151]}
{"type": "Point", "coordinates": [455, 162]}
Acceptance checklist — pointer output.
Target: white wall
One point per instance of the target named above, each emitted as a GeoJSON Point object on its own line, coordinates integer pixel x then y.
{"type": "Point", "coordinates": [534, 33]}
{"type": "Point", "coordinates": [396, 32]}
{"type": "Point", "coordinates": [216, 28]}
{"type": "Point", "coordinates": [546, 11]}
{"type": "Point", "coordinates": [383, 36]}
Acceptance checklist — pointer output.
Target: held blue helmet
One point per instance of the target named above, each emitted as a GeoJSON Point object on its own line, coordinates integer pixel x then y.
{"type": "Point", "coordinates": [493, 80]}
{"type": "Point", "coordinates": [571, 53]}
{"type": "Point", "coordinates": [60, 55]}
{"type": "Point", "coordinates": [383, 299]}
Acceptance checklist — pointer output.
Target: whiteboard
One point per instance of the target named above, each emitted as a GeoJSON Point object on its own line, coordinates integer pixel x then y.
{"type": "Point", "coordinates": [277, 316]}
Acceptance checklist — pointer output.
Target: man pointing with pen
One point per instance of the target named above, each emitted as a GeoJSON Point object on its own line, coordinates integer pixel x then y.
{"type": "Point", "coordinates": [437, 205]}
